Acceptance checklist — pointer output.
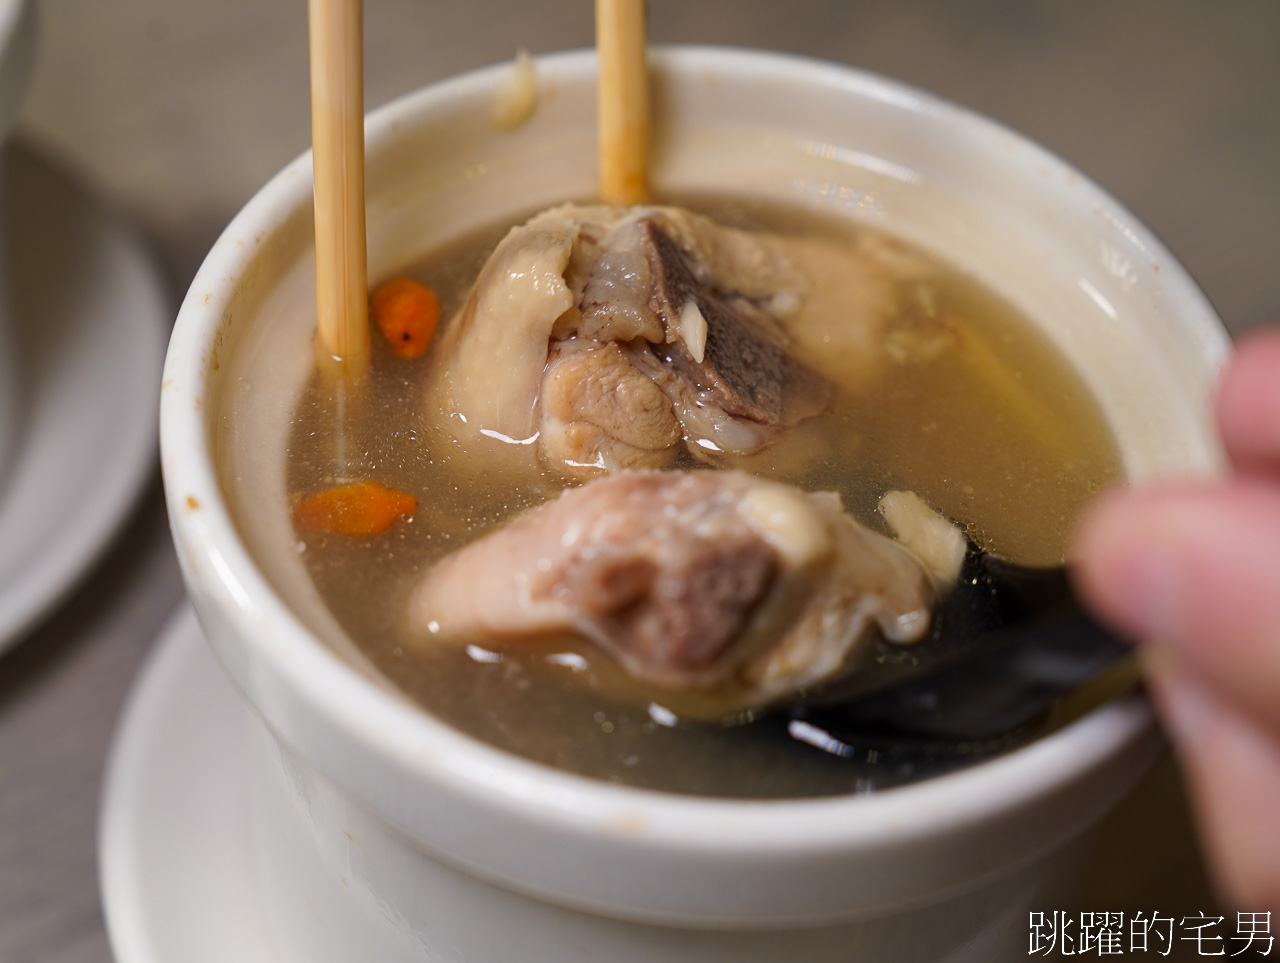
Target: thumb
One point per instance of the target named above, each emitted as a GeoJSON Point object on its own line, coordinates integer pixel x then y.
{"type": "Point", "coordinates": [1233, 774]}
{"type": "Point", "coordinates": [1194, 571]}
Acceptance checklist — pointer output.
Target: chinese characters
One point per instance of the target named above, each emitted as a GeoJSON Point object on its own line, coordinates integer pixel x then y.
{"type": "Point", "coordinates": [1106, 934]}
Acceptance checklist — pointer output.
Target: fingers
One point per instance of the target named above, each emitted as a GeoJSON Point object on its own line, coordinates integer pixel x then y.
{"type": "Point", "coordinates": [1249, 404]}
{"type": "Point", "coordinates": [1233, 771]}
{"type": "Point", "coordinates": [1194, 571]}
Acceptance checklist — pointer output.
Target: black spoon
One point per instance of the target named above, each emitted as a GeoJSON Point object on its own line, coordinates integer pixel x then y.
{"type": "Point", "coordinates": [1006, 643]}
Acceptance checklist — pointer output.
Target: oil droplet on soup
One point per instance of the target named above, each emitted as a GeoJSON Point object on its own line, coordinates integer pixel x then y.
{"type": "Point", "coordinates": [970, 407]}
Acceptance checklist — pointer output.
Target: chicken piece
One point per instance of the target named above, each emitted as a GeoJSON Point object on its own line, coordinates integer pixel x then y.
{"type": "Point", "coordinates": [850, 299]}
{"type": "Point", "coordinates": [497, 347]}
{"type": "Point", "coordinates": [696, 308]}
{"type": "Point", "coordinates": [724, 364]}
{"type": "Point", "coordinates": [615, 296]}
{"type": "Point", "coordinates": [601, 413]}
{"type": "Point", "coordinates": [729, 589]}
{"type": "Point", "coordinates": [927, 533]}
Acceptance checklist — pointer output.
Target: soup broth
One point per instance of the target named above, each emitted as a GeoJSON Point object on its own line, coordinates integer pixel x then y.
{"type": "Point", "coordinates": [968, 405]}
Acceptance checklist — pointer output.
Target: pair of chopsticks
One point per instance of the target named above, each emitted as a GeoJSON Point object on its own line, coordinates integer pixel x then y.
{"type": "Point", "coordinates": [337, 140]}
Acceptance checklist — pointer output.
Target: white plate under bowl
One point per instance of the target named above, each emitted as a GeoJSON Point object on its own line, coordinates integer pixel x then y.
{"type": "Point", "coordinates": [175, 845]}
{"type": "Point", "coordinates": [90, 317]}
{"type": "Point", "coordinates": [174, 857]}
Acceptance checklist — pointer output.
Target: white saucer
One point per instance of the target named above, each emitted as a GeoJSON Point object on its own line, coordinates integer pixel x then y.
{"type": "Point", "coordinates": [90, 317]}
{"type": "Point", "coordinates": [174, 852]}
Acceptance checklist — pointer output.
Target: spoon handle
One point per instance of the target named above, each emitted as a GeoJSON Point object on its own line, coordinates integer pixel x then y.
{"type": "Point", "coordinates": [1021, 672]}
{"type": "Point", "coordinates": [1008, 641]}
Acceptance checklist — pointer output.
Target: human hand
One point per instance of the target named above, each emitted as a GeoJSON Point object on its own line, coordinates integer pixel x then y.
{"type": "Point", "coordinates": [1192, 571]}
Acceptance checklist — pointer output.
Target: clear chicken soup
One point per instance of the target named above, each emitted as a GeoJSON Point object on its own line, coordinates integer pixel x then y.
{"type": "Point", "coordinates": [965, 403]}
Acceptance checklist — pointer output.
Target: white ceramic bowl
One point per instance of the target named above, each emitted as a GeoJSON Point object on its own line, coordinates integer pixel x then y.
{"type": "Point", "coordinates": [386, 832]}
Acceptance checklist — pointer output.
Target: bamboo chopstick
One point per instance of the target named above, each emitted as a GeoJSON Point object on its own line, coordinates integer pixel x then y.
{"type": "Point", "coordinates": [622, 110]}
{"type": "Point", "coordinates": [337, 142]}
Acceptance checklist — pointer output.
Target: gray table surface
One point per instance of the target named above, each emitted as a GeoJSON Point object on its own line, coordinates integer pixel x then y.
{"type": "Point", "coordinates": [177, 111]}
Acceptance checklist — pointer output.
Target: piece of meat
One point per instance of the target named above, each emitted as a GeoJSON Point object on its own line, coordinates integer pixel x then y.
{"type": "Point", "coordinates": [870, 583]}
{"type": "Point", "coordinates": [600, 413]}
{"type": "Point", "coordinates": [737, 362]}
{"type": "Point", "coordinates": [710, 433]}
{"type": "Point", "coordinates": [730, 589]}
{"type": "Point", "coordinates": [927, 533]}
{"type": "Point", "coordinates": [732, 382]}
{"type": "Point", "coordinates": [698, 309]}
{"type": "Point", "coordinates": [615, 297]}
{"type": "Point", "coordinates": [497, 347]}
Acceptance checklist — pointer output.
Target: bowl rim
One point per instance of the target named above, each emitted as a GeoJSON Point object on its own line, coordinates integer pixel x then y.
{"type": "Point", "coordinates": [428, 751]}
